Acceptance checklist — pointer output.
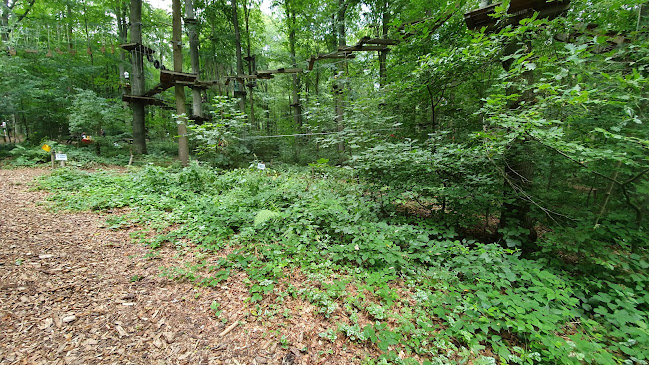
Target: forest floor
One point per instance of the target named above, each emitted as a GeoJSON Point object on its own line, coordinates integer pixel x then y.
{"type": "Point", "coordinates": [73, 291]}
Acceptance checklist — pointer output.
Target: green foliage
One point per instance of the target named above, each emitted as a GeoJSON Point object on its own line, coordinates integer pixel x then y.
{"type": "Point", "coordinates": [219, 140]}
{"type": "Point", "coordinates": [90, 113]}
{"type": "Point", "coordinates": [443, 297]}
{"type": "Point", "coordinates": [27, 156]}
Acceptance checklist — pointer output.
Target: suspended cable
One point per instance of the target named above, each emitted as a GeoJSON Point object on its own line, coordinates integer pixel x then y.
{"type": "Point", "coordinates": [312, 134]}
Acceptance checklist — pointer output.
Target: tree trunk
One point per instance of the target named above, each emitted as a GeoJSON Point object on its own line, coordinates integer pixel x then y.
{"type": "Point", "coordinates": [251, 63]}
{"type": "Point", "coordinates": [137, 78]}
{"type": "Point", "coordinates": [69, 19]}
{"type": "Point", "coordinates": [85, 22]}
{"type": "Point", "coordinates": [295, 89]}
{"type": "Point", "coordinates": [643, 14]}
{"type": "Point", "coordinates": [339, 86]}
{"type": "Point", "coordinates": [383, 55]}
{"type": "Point", "coordinates": [197, 109]}
{"type": "Point", "coordinates": [237, 38]}
{"type": "Point", "coordinates": [607, 193]}
{"type": "Point", "coordinates": [4, 22]}
{"type": "Point", "coordinates": [183, 143]}
{"type": "Point", "coordinates": [122, 33]}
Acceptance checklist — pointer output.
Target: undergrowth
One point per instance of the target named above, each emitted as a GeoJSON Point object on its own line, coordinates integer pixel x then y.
{"type": "Point", "coordinates": [25, 155]}
{"type": "Point", "coordinates": [413, 288]}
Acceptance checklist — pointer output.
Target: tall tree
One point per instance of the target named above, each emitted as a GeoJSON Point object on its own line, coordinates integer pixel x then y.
{"type": "Point", "coordinates": [179, 90]}
{"type": "Point", "coordinates": [191, 21]}
{"type": "Point", "coordinates": [237, 38]}
{"type": "Point", "coordinates": [251, 64]}
{"type": "Point", "coordinates": [291, 7]}
{"type": "Point", "coordinates": [122, 32]}
{"type": "Point", "coordinates": [137, 77]}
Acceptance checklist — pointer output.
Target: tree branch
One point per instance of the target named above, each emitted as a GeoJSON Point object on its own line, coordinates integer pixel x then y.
{"type": "Point", "coordinates": [573, 160]}
{"type": "Point", "coordinates": [21, 17]}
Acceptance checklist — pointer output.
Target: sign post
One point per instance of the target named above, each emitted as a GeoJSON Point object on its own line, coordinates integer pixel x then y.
{"type": "Point", "coordinates": [62, 157]}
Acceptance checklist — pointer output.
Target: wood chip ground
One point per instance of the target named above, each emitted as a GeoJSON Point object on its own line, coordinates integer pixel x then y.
{"type": "Point", "coordinates": [74, 292]}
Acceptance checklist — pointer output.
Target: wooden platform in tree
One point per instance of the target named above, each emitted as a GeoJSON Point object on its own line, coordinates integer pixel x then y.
{"type": "Point", "coordinates": [146, 100]}
{"type": "Point", "coordinates": [518, 9]}
{"type": "Point", "coordinates": [268, 74]}
{"type": "Point", "coordinates": [361, 48]}
{"type": "Point", "coordinates": [247, 77]}
{"type": "Point", "coordinates": [379, 41]}
{"type": "Point", "coordinates": [133, 46]}
{"type": "Point", "coordinates": [202, 85]}
{"type": "Point", "coordinates": [171, 77]}
{"type": "Point", "coordinates": [365, 44]}
{"type": "Point", "coordinates": [332, 55]}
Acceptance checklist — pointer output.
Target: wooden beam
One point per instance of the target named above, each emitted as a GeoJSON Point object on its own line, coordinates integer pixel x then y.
{"type": "Point", "coordinates": [132, 46]}
{"type": "Point", "coordinates": [358, 48]}
{"type": "Point", "coordinates": [170, 77]}
{"type": "Point", "coordinates": [145, 100]}
{"type": "Point", "coordinates": [281, 71]}
{"type": "Point", "coordinates": [328, 56]}
{"type": "Point", "coordinates": [246, 77]}
{"type": "Point", "coordinates": [380, 41]}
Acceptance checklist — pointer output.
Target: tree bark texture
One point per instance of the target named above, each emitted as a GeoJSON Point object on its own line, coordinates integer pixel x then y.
{"type": "Point", "coordinates": [339, 85]}
{"type": "Point", "coordinates": [383, 55]}
{"type": "Point", "coordinates": [176, 40]}
{"type": "Point", "coordinates": [4, 21]}
{"type": "Point", "coordinates": [122, 32]}
{"type": "Point", "coordinates": [197, 104]}
{"type": "Point", "coordinates": [137, 78]}
{"type": "Point", "coordinates": [295, 90]}
{"type": "Point", "coordinates": [251, 67]}
{"type": "Point", "coordinates": [237, 39]}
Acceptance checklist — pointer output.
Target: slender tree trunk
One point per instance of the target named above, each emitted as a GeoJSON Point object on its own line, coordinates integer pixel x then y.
{"type": "Point", "coordinates": [190, 20]}
{"type": "Point", "coordinates": [251, 63]}
{"type": "Point", "coordinates": [85, 22]}
{"type": "Point", "coordinates": [295, 95]}
{"type": "Point", "coordinates": [183, 143]}
{"type": "Point", "coordinates": [383, 55]}
{"type": "Point", "coordinates": [643, 14]}
{"type": "Point", "coordinates": [122, 33]}
{"type": "Point", "coordinates": [339, 86]}
{"type": "Point", "coordinates": [69, 19]}
{"type": "Point", "coordinates": [237, 38]}
{"type": "Point", "coordinates": [4, 22]}
{"type": "Point", "coordinates": [608, 192]}
{"type": "Point", "coordinates": [137, 78]}
{"type": "Point", "coordinates": [433, 106]}
{"type": "Point", "coordinates": [13, 119]}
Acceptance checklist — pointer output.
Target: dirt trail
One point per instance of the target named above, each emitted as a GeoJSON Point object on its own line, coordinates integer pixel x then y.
{"type": "Point", "coordinates": [73, 292]}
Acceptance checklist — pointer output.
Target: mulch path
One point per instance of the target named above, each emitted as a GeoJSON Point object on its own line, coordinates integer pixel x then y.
{"type": "Point", "coordinates": [75, 292]}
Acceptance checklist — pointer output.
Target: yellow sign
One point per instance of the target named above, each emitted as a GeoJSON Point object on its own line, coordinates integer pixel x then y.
{"type": "Point", "coordinates": [46, 148]}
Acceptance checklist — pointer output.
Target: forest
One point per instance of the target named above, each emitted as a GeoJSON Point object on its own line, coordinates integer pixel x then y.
{"type": "Point", "coordinates": [444, 181]}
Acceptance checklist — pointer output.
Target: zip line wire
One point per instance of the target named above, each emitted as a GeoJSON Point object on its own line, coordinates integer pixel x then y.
{"type": "Point", "coordinates": [312, 134]}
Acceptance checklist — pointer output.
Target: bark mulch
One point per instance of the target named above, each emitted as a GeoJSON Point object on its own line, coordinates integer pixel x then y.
{"type": "Point", "coordinates": [75, 292]}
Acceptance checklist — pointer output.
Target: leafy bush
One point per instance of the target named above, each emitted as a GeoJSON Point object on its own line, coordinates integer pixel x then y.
{"type": "Point", "coordinates": [28, 156]}
{"type": "Point", "coordinates": [457, 297]}
{"type": "Point", "coordinates": [218, 140]}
